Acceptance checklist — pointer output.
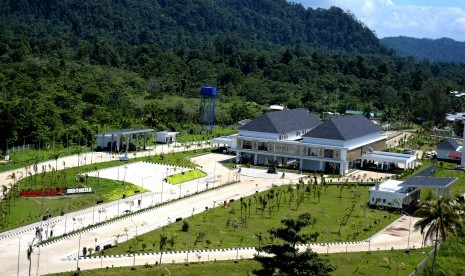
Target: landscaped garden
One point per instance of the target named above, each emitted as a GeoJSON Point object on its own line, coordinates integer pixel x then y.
{"type": "Point", "coordinates": [391, 262]}
{"type": "Point", "coordinates": [18, 211]}
{"type": "Point", "coordinates": [185, 176]}
{"type": "Point", "coordinates": [339, 213]}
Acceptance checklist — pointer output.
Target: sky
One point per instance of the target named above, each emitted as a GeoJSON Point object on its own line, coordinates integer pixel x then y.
{"type": "Point", "coordinates": [413, 18]}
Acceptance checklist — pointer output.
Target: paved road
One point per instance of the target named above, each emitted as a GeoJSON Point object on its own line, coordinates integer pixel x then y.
{"type": "Point", "coordinates": [59, 256]}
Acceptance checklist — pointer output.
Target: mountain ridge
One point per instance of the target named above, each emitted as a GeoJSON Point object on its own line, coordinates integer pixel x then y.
{"type": "Point", "coordinates": [441, 50]}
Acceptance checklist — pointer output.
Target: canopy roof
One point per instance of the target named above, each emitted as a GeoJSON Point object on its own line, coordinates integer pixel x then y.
{"type": "Point", "coordinates": [426, 181]}
{"type": "Point", "coordinates": [127, 131]}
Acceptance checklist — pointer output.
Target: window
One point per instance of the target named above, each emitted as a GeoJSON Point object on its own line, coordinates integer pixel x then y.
{"type": "Point", "coordinates": [328, 153]}
{"type": "Point", "coordinates": [384, 200]}
{"type": "Point", "coordinates": [312, 151]}
{"type": "Point", "coordinates": [262, 146]}
{"type": "Point", "coordinates": [247, 144]}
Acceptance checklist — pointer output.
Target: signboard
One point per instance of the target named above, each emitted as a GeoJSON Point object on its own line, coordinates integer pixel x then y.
{"type": "Point", "coordinates": [78, 191]}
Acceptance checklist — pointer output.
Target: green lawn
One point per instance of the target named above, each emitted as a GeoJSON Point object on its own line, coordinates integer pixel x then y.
{"type": "Point", "coordinates": [229, 226]}
{"type": "Point", "coordinates": [27, 157]}
{"type": "Point", "coordinates": [185, 176]}
{"type": "Point", "coordinates": [22, 211]}
{"type": "Point", "coordinates": [450, 259]}
{"type": "Point", "coordinates": [359, 263]}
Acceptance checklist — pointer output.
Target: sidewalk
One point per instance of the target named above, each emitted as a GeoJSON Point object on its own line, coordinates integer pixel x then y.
{"type": "Point", "coordinates": [60, 256]}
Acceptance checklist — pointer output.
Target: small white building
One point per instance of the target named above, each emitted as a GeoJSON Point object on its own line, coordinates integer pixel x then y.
{"type": "Point", "coordinates": [406, 194]}
{"type": "Point", "coordinates": [392, 194]}
{"type": "Point", "coordinates": [449, 149]}
{"type": "Point", "coordinates": [166, 137]}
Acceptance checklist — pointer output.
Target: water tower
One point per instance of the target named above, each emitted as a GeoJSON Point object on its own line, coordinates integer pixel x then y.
{"type": "Point", "coordinates": [208, 96]}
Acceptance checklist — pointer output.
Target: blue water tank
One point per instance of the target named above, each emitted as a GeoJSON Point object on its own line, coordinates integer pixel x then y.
{"type": "Point", "coordinates": [208, 91]}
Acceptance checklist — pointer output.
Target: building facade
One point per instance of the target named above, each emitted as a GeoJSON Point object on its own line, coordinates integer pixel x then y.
{"type": "Point", "coordinates": [296, 138]}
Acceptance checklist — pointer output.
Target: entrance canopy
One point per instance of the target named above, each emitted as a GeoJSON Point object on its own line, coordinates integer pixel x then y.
{"type": "Point", "coordinates": [408, 161]}
{"type": "Point", "coordinates": [441, 184]}
{"type": "Point", "coordinates": [113, 140]}
{"type": "Point", "coordinates": [223, 140]}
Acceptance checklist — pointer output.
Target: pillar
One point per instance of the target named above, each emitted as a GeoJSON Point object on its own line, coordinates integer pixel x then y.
{"type": "Point", "coordinates": [301, 164]}
{"type": "Point", "coordinates": [145, 140]}
{"type": "Point", "coordinates": [462, 159]}
{"type": "Point", "coordinates": [255, 158]}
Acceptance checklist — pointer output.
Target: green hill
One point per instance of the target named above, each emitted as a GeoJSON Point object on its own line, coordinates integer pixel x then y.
{"type": "Point", "coordinates": [443, 49]}
{"type": "Point", "coordinates": [70, 69]}
{"type": "Point", "coordinates": [192, 24]}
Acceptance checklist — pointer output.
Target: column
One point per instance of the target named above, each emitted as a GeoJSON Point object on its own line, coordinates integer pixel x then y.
{"type": "Point", "coordinates": [301, 165]}
{"type": "Point", "coordinates": [255, 158]}
{"type": "Point", "coordinates": [145, 140]}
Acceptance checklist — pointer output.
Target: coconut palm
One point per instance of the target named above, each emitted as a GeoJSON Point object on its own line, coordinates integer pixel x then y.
{"type": "Point", "coordinates": [440, 218]}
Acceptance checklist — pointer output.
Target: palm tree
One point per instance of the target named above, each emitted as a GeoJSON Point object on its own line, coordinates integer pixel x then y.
{"type": "Point", "coordinates": [440, 217]}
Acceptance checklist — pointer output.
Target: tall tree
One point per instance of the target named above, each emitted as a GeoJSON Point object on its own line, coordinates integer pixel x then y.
{"type": "Point", "coordinates": [285, 258]}
{"type": "Point", "coordinates": [440, 217]}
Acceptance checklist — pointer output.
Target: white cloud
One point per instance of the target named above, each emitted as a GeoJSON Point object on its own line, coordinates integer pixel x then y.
{"type": "Point", "coordinates": [387, 18]}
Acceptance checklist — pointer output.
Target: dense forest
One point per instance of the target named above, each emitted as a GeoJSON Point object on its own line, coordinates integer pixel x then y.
{"type": "Point", "coordinates": [442, 50]}
{"type": "Point", "coordinates": [79, 67]}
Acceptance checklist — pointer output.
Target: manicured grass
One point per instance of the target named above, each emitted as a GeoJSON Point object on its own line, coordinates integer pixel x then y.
{"type": "Point", "coordinates": [27, 157]}
{"type": "Point", "coordinates": [450, 259]}
{"type": "Point", "coordinates": [229, 226]}
{"type": "Point", "coordinates": [390, 262]}
{"type": "Point", "coordinates": [185, 176]}
{"type": "Point", "coordinates": [358, 263]}
{"type": "Point", "coordinates": [22, 211]}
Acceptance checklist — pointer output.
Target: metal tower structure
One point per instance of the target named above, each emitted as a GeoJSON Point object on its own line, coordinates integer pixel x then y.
{"type": "Point", "coordinates": [208, 96]}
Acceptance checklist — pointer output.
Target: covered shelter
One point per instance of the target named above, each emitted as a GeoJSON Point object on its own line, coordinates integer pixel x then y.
{"type": "Point", "coordinates": [384, 160]}
{"type": "Point", "coordinates": [166, 137]}
{"type": "Point", "coordinates": [392, 194]}
{"type": "Point", "coordinates": [441, 184]}
{"type": "Point", "coordinates": [223, 141]}
{"type": "Point", "coordinates": [117, 140]}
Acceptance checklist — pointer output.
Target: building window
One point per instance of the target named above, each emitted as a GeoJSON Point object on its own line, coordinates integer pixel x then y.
{"type": "Point", "coordinates": [312, 151]}
{"type": "Point", "coordinates": [262, 146]}
{"type": "Point", "coordinates": [247, 144]}
{"type": "Point", "coordinates": [384, 200]}
{"type": "Point", "coordinates": [328, 153]}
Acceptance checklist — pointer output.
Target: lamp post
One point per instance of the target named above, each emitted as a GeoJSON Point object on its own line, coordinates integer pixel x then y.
{"type": "Point", "coordinates": [79, 246]}
{"type": "Point", "coordinates": [409, 229]}
{"type": "Point", "coordinates": [67, 209]}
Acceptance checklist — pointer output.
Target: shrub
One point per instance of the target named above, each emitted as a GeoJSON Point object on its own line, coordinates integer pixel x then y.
{"type": "Point", "coordinates": [185, 226]}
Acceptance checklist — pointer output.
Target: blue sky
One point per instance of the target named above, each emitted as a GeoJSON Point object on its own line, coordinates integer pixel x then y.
{"type": "Point", "coordinates": [414, 18]}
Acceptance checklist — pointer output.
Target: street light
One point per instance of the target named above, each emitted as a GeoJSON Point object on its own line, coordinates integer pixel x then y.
{"type": "Point", "coordinates": [409, 228]}
{"type": "Point", "coordinates": [79, 245]}
{"type": "Point", "coordinates": [67, 209]}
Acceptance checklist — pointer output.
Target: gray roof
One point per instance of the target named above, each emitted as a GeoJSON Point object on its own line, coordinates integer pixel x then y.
{"type": "Point", "coordinates": [126, 131]}
{"type": "Point", "coordinates": [283, 122]}
{"type": "Point", "coordinates": [448, 144]}
{"type": "Point", "coordinates": [425, 181]}
{"type": "Point", "coordinates": [344, 128]}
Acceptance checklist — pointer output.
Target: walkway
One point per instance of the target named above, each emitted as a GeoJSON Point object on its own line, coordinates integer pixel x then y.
{"type": "Point", "coordinates": [60, 256]}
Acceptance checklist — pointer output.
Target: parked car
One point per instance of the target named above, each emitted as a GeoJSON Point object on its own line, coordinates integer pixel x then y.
{"type": "Point", "coordinates": [408, 151]}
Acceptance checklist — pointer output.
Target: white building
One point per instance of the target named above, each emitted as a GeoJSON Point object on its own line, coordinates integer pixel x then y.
{"type": "Point", "coordinates": [166, 137]}
{"type": "Point", "coordinates": [298, 137]}
{"type": "Point", "coordinates": [406, 194]}
{"type": "Point", "coordinates": [449, 149]}
{"type": "Point", "coordinates": [392, 194]}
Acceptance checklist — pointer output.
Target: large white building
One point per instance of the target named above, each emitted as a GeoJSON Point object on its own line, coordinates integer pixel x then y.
{"type": "Point", "coordinates": [297, 137]}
